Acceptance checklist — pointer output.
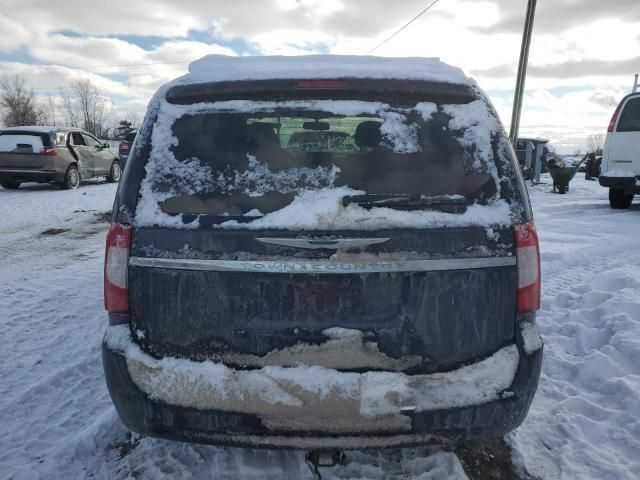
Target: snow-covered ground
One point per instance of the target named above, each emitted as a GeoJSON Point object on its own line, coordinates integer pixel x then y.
{"type": "Point", "coordinates": [57, 422]}
{"type": "Point", "coordinates": [585, 419]}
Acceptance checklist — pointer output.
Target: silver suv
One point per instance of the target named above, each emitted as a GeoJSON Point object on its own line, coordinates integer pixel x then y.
{"type": "Point", "coordinates": [54, 154]}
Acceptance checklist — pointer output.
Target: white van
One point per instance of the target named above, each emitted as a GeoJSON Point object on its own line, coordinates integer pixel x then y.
{"type": "Point", "coordinates": [621, 159]}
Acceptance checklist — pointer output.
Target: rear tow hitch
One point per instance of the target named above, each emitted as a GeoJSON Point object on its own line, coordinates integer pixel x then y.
{"type": "Point", "coordinates": [323, 458]}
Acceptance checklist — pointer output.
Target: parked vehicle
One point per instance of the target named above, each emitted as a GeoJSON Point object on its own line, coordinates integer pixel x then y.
{"type": "Point", "coordinates": [53, 154]}
{"type": "Point", "coordinates": [125, 147]}
{"type": "Point", "coordinates": [621, 158]}
{"type": "Point", "coordinates": [548, 152]}
{"type": "Point", "coordinates": [264, 295]}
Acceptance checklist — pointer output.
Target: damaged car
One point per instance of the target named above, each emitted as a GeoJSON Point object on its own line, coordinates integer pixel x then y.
{"type": "Point", "coordinates": [322, 253]}
{"type": "Point", "coordinates": [61, 155]}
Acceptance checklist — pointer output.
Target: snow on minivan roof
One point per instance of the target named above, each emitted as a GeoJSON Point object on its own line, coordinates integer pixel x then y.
{"type": "Point", "coordinates": [223, 68]}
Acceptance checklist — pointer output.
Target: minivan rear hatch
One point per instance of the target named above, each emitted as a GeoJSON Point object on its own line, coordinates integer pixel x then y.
{"type": "Point", "coordinates": [369, 232]}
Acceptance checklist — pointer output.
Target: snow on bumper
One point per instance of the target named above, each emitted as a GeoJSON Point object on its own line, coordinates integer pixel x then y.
{"type": "Point", "coordinates": [311, 397]}
{"type": "Point", "coordinates": [531, 340]}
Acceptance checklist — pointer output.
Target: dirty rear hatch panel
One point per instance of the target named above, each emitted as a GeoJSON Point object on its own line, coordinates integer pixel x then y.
{"type": "Point", "coordinates": [404, 320]}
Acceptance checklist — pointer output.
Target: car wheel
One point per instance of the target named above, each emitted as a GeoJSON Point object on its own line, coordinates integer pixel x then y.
{"type": "Point", "coordinates": [114, 172]}
{"type": "Point", "coordinates": [10, 184]}
{"type": "Point", "coordinates": [71, 178]}
{"type": "Point", "coordinates": [618, 199]}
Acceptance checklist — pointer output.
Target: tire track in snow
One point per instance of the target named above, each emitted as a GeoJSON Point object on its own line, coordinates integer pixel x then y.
{"type": "Point", "coordinates": [53, 400]}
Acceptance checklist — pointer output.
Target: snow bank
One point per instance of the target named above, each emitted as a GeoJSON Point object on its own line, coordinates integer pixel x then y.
{"type": "Point", "coordinates": [221, 68]}
{"type": "Point", "coordinates": [311, 396]}
{"type": "Point", "coordinates": [584, 421]}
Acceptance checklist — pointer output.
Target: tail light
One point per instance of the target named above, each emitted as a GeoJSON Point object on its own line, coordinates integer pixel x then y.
{"type": "Point", "coordinates": [614, 119]}
{"type": "Point", "coordinates": [528, 256]}
{"type": "Point", "coordinates": [123, 146]}
{"type": "Point", "coordinates": [116, 260]}
{"type": "Point", "coordinates": [52, 151]}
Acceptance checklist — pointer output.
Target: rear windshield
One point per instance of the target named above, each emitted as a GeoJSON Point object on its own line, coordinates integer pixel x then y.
{"type": "Point", "coordinates": [23, 142]}
{"type": "Point", "coordinates": [321, 164]}
{"type": "Point", "coordinates": [630, 118]}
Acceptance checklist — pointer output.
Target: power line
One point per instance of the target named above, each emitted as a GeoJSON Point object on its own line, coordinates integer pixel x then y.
{"type": "Point", "coordinates": [403, 27]}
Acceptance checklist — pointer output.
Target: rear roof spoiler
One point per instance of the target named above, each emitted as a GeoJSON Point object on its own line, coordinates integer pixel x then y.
{"type": "Point", "coordinates": [401, 91]}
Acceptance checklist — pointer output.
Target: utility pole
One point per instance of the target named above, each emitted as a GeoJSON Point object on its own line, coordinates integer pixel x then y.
{"type": "Point", "coordinates": [635, 85]}
{"type": "Point", "coordinates": [522, 71]}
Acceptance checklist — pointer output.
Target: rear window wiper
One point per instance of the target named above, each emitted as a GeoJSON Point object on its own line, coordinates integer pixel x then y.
{"type": "Point", "coordinates": [442, 203]}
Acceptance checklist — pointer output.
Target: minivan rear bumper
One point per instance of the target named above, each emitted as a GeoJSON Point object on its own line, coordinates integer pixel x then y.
{"type": "Point", "coordinates": [149, 415]}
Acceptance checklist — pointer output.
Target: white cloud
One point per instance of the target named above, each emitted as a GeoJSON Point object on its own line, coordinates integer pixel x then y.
{"type": "Point", "coordinates": [13, 33]}
{"type": "Point", "coordinates": [566, 118]}
{"type": "Point", "coordinates": [290, 42]}
{"type": "Point", "coordinates": [146, 17]}
{"type": "Point", "coordinates": [477, 35]}
{"type": "Point", "coordinates": [320, 8]}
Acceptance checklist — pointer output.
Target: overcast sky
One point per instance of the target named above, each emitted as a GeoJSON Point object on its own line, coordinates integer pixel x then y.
{"type": "Point", "coordinates": [583, 55]}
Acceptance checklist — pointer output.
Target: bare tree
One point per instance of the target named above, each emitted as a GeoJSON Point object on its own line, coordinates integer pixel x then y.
{"type": "Point", "coordinates": [68, 104]}
{"type": "Point", "coordinates": [595, 143]}
{"type": "Point", "coordinates": [51, 110]}
{"type": "Point", "coordinates": [85, 107]}
{"type": "Point", "coordinates": [134, 118]}
{"type": "Point", "coordinates": [93, 106]}
{"type": "Point", "coordinates": [19, 103]}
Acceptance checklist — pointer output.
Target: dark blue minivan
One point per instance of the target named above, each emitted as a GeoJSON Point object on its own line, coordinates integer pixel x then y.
{"type": "Point", "coordinates": [322, 252]}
